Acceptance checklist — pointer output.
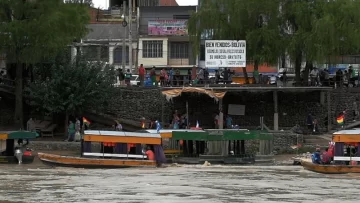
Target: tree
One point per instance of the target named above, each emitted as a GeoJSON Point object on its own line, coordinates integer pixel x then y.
{"type": "Point", "coordinates": [255, 21]}
{"type": "Point", "coordinates": [71, 87]}
{"type": "Point", "coordinates": [317, 29]}
{"type": "Point", "coordinates": [32, 31]}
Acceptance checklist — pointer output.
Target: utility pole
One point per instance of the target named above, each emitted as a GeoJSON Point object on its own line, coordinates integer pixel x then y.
{"type": "Point", "coordinates": [124, 38]}
{"type": "Point", "coordinates": [130, 36]}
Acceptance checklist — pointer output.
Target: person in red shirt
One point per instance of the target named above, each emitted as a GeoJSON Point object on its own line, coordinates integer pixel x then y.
{"type": "Point", "coordinates": [141, 74]}
{"type": "Point", "coordinates": [325, 157]}
{"type": "Point", "coordinates": [150, 154]}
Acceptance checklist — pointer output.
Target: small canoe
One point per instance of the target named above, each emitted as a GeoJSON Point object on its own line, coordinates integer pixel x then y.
{"type": "Point", "coordinates": [82, 162]}
{"type": "Point", "coordinates": [329, 169]}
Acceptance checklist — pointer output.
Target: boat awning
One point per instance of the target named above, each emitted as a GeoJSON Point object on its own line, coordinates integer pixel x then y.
{"type": "Point", "coordinates": [4, 135]}
{"type": "Point", "coordinates": [170, 94]}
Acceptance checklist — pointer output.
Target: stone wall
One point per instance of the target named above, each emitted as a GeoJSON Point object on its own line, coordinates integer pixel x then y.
{"type": "Point", "coordinates": [6, 113]}
{"type": "Point", "coordinates": [282, 142]}
{"type": "Point", "coordinates": [135, 103]}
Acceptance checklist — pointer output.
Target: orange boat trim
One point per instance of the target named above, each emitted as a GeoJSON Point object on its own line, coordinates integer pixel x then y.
{"type": "Point", "coordinates": [172, 151]}
{"type": "Point", "coordinates": [330, 169]}
{"type": "Point", "coordinates": [166, 135]}
{"type": "Point", "coordinates": [122, 139]}
{"type": "Point", "coordinates": [3, 136]}
{"type": "Point", "coordinates": [67, 160]}
{"type": "Point", "coordinates": [346, 138]}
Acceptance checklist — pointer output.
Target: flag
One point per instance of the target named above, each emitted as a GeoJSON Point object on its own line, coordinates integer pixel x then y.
{"type": "Point", "coordinates": [340, 120]}
{"type": "Point", "coordinates": [197, 124]}
{"type": "Point", "coordinates": [85, 121]}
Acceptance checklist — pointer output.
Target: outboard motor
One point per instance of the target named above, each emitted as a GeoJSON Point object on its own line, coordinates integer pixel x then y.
{"type": "Point", "coordinates": [18, 155]}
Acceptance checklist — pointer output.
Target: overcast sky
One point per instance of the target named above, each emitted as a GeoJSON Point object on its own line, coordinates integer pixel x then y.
{"type": "Point", "coordinates": [104, 4]}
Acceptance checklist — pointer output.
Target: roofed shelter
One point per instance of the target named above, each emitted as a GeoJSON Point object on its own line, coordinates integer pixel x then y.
{"type": "Point", "coordinates": [219, 93]}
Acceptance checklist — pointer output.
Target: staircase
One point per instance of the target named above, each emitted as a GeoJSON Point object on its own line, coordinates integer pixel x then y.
{"type": "Point", "coordinates": [317, 140]}
{"type": "Point", "coordinates": [7, 85]}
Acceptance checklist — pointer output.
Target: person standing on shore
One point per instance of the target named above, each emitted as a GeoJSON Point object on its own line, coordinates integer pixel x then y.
{"type": "Point", "coordinates": [77, 130]}
{"type": "Point", "coordinates": [141, 74]}
{"type": "Point", "coordinates": [71, 132]}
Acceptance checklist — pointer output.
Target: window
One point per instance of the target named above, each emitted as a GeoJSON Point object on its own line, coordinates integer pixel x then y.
{"type": "Point", "coordinates": [118, 55]}
{"type": "Point", "coordinates": [96, 53]}
{"type": "Point", "coordinates": [179, 50]}
{"type": "Point", "coordinates": [181, 17]}
{"type": "Point", "coordinates": [90, 52]}
{"type": "Point", "coordinates": [152, 49]}
{"type": "Point", "coordinates": [104, 53]}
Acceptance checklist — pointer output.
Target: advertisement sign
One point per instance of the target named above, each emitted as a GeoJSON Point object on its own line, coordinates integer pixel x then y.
{"type": "Point", "coordinates": [225, 53]}
{"type": "Point", "coordinates": [167, 27]}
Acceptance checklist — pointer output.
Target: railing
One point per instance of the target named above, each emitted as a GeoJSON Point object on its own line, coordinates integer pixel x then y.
{"type": "Point", "coordinates": [7, 84]}
{"type": "Point", "coordinates": [183, 81]}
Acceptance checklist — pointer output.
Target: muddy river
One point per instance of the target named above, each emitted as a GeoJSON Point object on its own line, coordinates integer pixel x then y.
{"type": "Point", "coordinates": [186, 184]}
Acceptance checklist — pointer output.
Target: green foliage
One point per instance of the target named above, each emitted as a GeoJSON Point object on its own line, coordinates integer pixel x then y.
{"type": "Point", "coordinates": [307, 30]}
{"type": "Point", "coordinates": [255, 21]}
{"type": "Point", "coordinates": [71, 87]}
{"type": "Point", "coordinates": [34, 30]}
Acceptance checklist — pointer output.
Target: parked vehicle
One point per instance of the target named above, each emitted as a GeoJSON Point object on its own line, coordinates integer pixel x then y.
{"type": "Point", "coordinates": [135, 80]}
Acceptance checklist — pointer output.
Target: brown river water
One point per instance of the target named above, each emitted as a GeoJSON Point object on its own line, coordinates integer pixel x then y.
{"type": "Point", "coordinates": [178, 184]}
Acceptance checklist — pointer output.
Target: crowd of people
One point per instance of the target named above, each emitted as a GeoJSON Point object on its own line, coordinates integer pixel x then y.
{"type": "Point", "coordinates": [174, 77]}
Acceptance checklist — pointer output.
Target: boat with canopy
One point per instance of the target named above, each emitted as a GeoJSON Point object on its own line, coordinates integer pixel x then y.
{"type": "Point", "coordinates": [345, 147]}
{"type": "Point", "coordinates": [10, 152]}
{"type": "Point", "coordinates": [117, 150]}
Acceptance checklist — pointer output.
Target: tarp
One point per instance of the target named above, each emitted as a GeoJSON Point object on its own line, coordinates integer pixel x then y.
{"type": "Point", "coordinates": [177, 92]}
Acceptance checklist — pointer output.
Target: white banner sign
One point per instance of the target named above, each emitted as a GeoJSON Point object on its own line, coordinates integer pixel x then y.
{"type": "Point", "coordinates": [225, 53]}
{"type": "Point", "coordinates": [235, 109]}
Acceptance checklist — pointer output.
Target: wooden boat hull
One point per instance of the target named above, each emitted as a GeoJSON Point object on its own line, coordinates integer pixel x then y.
{"type": "Point", "coordinates": [81, 162]}
{"type": "Point", "coordinates": [13, 160]}
{"type": "Point", "coordinates": [329, 169]}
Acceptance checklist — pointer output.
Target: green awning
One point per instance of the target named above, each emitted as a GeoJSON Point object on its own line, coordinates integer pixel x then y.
{"type": "Point", "coordinates": [21, 135]}
{"type": "Point", "coordinates": [199, 136]}
{"type": "Point", "coordinates": [223, 135]}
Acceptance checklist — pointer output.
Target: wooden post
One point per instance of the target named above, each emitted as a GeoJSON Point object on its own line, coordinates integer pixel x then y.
{"type": "Point", "coordinates": [276, 114]}
{"type": "Point", "coordinates": [223, 144]}
{"type": "Point", "coordinates": [322, 98]}
{"type": "Point", "coordinates": [162, 110]}
{"type": "Point", "coordinates": [329, 111]}
{"type": "Point", "coordinates": [262, 142]}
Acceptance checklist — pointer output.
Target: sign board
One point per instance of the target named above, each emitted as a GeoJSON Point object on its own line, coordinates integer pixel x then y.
{"type": "Point", "coordinates": [235, 109]}
{"type": "Point", "coordinates": [167, 27]}
{"type": "Point", "coordinates": [225, 53]}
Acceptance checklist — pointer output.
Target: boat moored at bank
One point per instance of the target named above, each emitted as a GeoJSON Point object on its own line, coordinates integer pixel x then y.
{"type": "Point", "coordinates": [117, 150]}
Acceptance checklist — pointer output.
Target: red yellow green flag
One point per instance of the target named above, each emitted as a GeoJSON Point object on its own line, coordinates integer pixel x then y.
{"type": "Point", "coordinates": [340, 120]}
{"type": "Point", "coordinates": [86, 121]}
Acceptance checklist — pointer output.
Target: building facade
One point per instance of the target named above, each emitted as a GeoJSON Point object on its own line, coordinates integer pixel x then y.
{"type": "Point", "coordinates": [163, 37]}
